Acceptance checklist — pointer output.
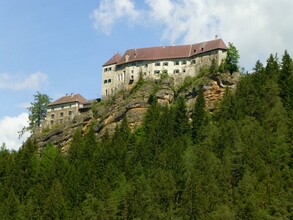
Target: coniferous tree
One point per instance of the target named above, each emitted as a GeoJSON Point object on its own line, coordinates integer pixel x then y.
{"type": "Point", "coordinates": [199, 116]}
{"type": "Point", "coordinates": [37, 112]}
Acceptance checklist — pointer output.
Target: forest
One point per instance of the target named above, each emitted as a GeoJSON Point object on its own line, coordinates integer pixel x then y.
{"type": "Point", "coordinates": [233, 163]}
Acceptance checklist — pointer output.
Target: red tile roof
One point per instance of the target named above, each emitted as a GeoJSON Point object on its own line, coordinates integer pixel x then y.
{"type": "Point", "coordinates": [69, 98]}
{"type": "Point", "coordinates": [113, 60]}
{"type": "Point", "coordinates": [167, 52]}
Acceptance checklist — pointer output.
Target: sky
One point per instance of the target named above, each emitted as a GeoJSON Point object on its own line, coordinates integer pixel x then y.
{"type": "Point", "coordinates": [58, 47]}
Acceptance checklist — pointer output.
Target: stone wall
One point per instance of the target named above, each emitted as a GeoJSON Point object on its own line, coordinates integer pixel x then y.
{"type": "Point", "coordinates": [116, 77]}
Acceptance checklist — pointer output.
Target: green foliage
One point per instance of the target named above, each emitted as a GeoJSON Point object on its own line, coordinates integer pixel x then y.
{"type": "Point", "coordinates": [37, 112]}
{"type": "Point", "coordinates": [94, 108]}
{"type": "Point", "coordinates": [138, 84]}
{"type": "Point", "coordinates": [231, 62]}
{"type": "Point", "coordinates": [199, 116]}
{"type": "Point", "coordinates": [164, 74]}
{"type": "Point", "coordinates": [233, 164]}
{"type": "Point", "coordinates": [214, 69]}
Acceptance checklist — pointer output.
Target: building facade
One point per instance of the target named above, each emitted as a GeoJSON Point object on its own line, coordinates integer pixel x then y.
{"type": "Point", "coordinates": [177, 61]}
{"type": "Point", "coordinates": [64, 109]}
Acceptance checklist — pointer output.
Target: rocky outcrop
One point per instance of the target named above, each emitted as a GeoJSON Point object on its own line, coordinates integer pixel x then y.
{"type": "Point", "coordinates": [133, 103]}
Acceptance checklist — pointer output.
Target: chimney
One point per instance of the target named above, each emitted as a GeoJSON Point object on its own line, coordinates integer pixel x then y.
{"type": "Point", "coordinates": [216, 36]}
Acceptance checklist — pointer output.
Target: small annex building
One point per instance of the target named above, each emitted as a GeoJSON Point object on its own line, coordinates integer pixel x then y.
{"type": "Point", "coordinates": [64, 109]}
{"type": "Point", "coordinates": [177, 61]}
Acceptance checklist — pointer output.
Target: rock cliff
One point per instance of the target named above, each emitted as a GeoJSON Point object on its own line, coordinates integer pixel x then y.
{"type": "Point", "coordinates": [132, 102]}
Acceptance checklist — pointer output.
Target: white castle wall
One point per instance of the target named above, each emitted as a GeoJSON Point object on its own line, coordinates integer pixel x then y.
{"type": "Point", "coordinates": [116, 77]}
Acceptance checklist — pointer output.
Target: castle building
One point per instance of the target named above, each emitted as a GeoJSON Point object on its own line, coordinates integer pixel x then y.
{"type": "Point", "coordinates": [64, 109]}
{"type": "Point", "coordinates": [177, 61]}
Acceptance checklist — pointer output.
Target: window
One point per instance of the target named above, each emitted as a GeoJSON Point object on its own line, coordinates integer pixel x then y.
{"type": "Point", "coordinates": [202, 49]}
{"type": "Point", "coordinates": [183, 62]}
{"type": "Point", "coordinates": [176, 63]}
{"type": "Point", "coordinates": [109, 80]}
{"type": "Point", "coordinates": [106, 69]}
{"type": "Point", "coordinates": [105, 81]}
{"type": "Point", "coordinates": [61, 114]}
{"type": "Point", "coordinates": [110, 68]}
{"type": "Point", "coordinates": [131, 71]}
{"type": "Point", "coordinates": [184, 70]}
{"type": "Point", "coordinates": [193, 61]}
{"type": "Point", "coordinates": [194, 51]}
{"type": "Point", "coordinates": [70, 113]}
{"type": "Point", "coordinates": [52, 116]}
{"type": "Point", "coordinates": [176, 71]}
{"type": "Point", "coordinates": [157, 64]}
{"type": "Point", "coordinates": [60, 120]}
{"type": "Point", "coordinates": [165, 64]}
{"type": "Point", "coordinates": [157, 72]}
{"type": "Point", "coordinates": [146, 65]}
{"type": "Point", "coordinates": [52, 122]}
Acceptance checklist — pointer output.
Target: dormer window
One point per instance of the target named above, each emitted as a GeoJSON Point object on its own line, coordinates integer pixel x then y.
{"type": "Point", "coordinates": [194, 51]}
{"type": "Point", "coordinates": [202, 49]}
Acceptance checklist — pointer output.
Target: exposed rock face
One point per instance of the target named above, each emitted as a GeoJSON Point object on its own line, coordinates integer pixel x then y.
{"type": "Point", "coordinates": [133, 103]}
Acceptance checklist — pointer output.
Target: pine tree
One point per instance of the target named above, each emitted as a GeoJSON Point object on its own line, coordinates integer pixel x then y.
{"type": "Point", "coordinates": [199, 116]}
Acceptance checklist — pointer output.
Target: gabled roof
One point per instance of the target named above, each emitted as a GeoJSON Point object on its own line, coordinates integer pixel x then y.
{"type": "Point", "coordinates": [167, 52]}
{"type": "Point", "coordinates": [113, 60]}
{"type": "Point", "coordinates": [68, 99]}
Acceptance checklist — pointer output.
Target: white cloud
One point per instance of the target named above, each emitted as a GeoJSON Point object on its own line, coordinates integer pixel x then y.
{"type": "Point", "coordinates": [257, 28]}
{"type": "Point", "coordinates": [33, 81]}
{"type": "Point", "coordinates": [110, 11]}
{"type": "Point", "coordinates": [9, 128]}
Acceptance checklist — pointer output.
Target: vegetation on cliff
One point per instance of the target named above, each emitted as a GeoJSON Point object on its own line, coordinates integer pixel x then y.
{"type": "Point", "coordinates": [234, 163]}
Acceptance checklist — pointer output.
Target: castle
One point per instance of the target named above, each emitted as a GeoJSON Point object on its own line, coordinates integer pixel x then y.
{"type": "Point", "coordinates": [177, 61]}
{"type": "Point", "coordinates": [123, 70]}
{"type": "Point", "coordinates": [64, 109]}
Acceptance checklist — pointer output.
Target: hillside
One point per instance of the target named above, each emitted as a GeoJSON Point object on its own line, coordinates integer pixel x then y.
{"type": "Point", "coordinates": [137, 158]}
{"type": "Point", "coordinates": [133, 102]}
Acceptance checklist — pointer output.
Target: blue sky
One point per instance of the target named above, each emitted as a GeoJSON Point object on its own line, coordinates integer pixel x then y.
{"type": "Point", "coordinates": [58, 47]}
